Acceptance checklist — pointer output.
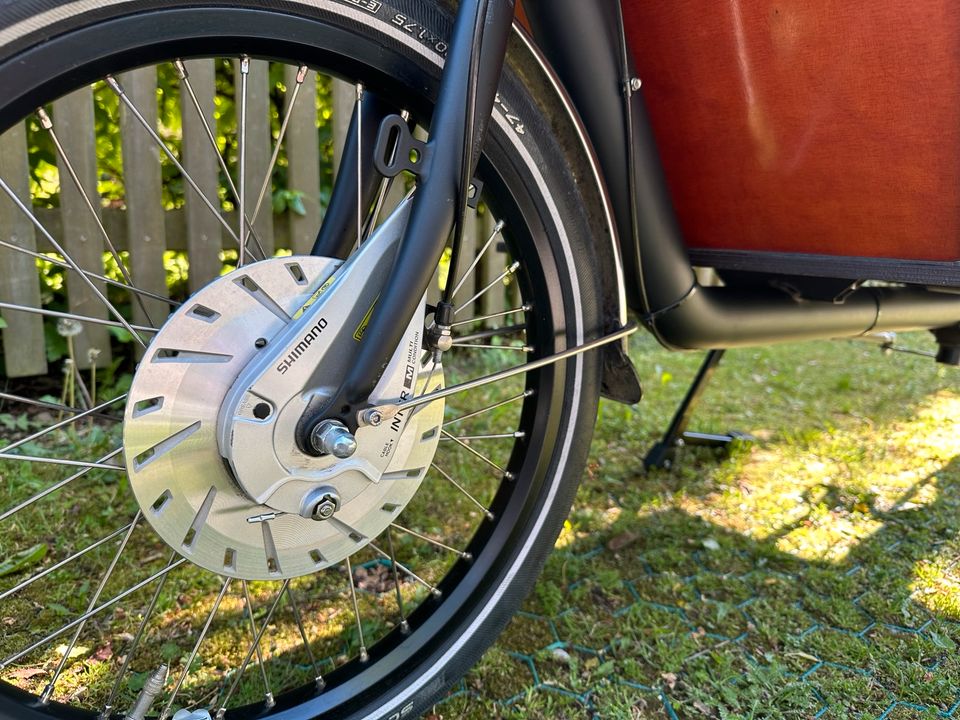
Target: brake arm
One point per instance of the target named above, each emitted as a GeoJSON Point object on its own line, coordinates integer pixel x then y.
{"type": "Point", "coordinates": [433, 211]}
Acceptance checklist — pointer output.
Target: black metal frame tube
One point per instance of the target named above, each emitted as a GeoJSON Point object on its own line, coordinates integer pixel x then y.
{"type": "Point", "coordinates": [433, 209]}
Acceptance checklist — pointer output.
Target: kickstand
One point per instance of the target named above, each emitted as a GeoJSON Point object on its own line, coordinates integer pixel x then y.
{"type": "Point", "coordinates": [661, 454]}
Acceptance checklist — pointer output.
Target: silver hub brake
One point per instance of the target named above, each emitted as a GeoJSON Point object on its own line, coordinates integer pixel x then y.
{"type": "Point", "coordinates": [209, 426]}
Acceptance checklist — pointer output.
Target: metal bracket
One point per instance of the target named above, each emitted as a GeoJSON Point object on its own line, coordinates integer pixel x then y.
{"type": "Point", "coordinates": [398, 150]}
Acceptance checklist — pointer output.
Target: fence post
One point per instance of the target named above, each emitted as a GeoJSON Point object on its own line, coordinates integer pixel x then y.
{"type": "Point", "coordinates": [73, 122]}
{"type": "Point", "coordinates": [143, 192]}
{"type": "Point", "coordinates": [303, 159]}
{"type": "Point", "coordinates": [258, 149]}
{"type": "Point", "coordinates": [200, 161]}
{"type": "Point", "coordinates": [24, 353]}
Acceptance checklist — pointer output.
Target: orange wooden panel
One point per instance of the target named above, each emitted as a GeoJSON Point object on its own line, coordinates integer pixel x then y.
{"type": "Point", "coordinates": [817, 126]}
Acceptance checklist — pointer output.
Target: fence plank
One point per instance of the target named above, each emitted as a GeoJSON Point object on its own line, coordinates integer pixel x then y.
{"type": "Point", "coordinates": [468, 253]}
{"type": "Point", "coordinates": [492, 265]}
{"type": "Point", "coordinates": [23, 345]}
{"type": "Point", "coordinates": [303, 159]}
{"type": "Point", "coordinates": [259, 146]}
{"type": "Point", "coordinates": [343, 99]}
{"type": "Point", "coordinates": [202, 236]}
{"type": "Point", "coordinates": [143, 185]}
{"type": "Point", "coordinates": [73, 122]}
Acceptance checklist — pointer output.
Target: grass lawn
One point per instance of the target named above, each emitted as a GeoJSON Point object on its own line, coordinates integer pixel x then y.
{"type": "Point", "coordinates": [810, 574]}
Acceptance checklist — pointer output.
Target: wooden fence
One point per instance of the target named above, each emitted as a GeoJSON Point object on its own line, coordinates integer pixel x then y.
{"type": "Point", "coordinates": [147, 230]}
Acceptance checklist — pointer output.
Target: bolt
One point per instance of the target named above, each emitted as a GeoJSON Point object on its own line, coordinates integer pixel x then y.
{"type": "Point", "coordinates": [324, 509]}
{"type": "Point", "coordinates": [331, 437]}
{"type": "Point", "coordinates": [372, 417]}
{"type": "Point", "coordinates": [260, 343]}
{"type": "Point", "coordinates": [635, 84]}
{"type": "Point", "coordinates": [261, 411]}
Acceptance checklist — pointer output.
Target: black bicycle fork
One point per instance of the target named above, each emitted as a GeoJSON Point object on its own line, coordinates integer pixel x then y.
{"type": "Point", "coordinates": [434, 205]}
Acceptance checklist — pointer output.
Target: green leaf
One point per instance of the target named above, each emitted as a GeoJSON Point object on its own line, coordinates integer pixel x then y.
{"type": "Point", "coordinates": [23, 560]}
{"type": "Point", "coordinates": [121, 334]}
{"type": "Point", "coordinates": [296, 204]}
{"type": "Point", "coordinates": [3, 323]}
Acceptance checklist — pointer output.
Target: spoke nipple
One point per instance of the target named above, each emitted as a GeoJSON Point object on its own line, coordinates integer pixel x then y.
{"type": "Point", "coordinates": [509, 476]}
{"type": "Point", "coordinates": [221, 712]}
{"type": "Point", "coordinates": [515, 266]}
{"type": "Point", "coordinates": [268, 700]}
{"type": "Point", "coordinates": [363, 655]}
{"type": "Point", "coordinates": [301, 74]}
{"type": "Point", "coordinates": [529, 393]}
{"type": "Point", "coordinates": [466, 556]}
{"type": "Point", "coordinates": [45, 122]}
{"type": "Point", "coordinates": [500, 226]}
{"type": "Point", "coordinates": [181, 69]}
{"type": "Point", "coordinates": [321, 683]}
{"type": "Point", "coordinates": [245, 64]}
{"type": "Point", "coordinates": [528, 307]}
{"type": "Point", "coordinates": [404, 627]}
{"type": "Point", "coordinates": [436, 593]}
{"type": "Point", "coordinates": [359, 92]}
{"type": "Point", "coordinates": [527, 349]}
{"type": "Point", "coordinates": [46, 694]}
{"type": "Point", "coordinates": [114, 85]}
{"type": "Point", "coordinates": [491, 517]}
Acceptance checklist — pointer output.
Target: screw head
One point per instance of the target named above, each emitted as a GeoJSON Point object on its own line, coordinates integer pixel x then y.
{"type": "Point", "coordinates": [260, 343]}
{"type": "Point", "coordinates": [373, 417]}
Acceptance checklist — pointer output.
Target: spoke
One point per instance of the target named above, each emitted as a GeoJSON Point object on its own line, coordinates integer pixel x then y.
{"type": "Point", "coordinates": [526, 308]}
{"type": "Point", "coordinates": [356, 610]}
{"type": "Point", "coordinates": [506, 475]}
{"type": "Point", "coordinates": [108, 705]}
{"type": "Point", "coordinates": [388, 410]}
{"type": "Point", "coordinates": [88, 273]}
{"type": "Point", "coordinates": [86, 616]}
{"type": "Point", "coordinates": [463, 555]}
{"type": "Point", "coordinates": [246, 661]}
{"type": "Point", "coordinates": [496, 436]}
{"type": "Point", "coordinates": [492, 332]}
{"type": "Point", "coordinates": [479, 346]}
{"type": "Point", "coordinates": [118, 89]}
{"type": "Point", "coordinates": [358, 111]}
{"type": "Point", "coordinates": [43, 231]}
{"type": "Point", "coordinates": [404, 625]}
{"type": "Point", "coordinates": [497, 281]}
{"type": "Point", "coordinates": [185, 78]}
{"type": "Point", "coordinates": [53, 488]}
{"type": "Point", "coordinates": [196, 648]}
{"type": "Point", "coordinates": [60, 461]}
{"type": "Point", "coordinates": [317, 676]}
{"type": "Point", "coordinates": [62, 423]}
{"type": "Point", "coordinates": [476, 261]}
{"type": "Point", "coordinates": [458, 486]}
{"type": "Point", "coordinates": [489, 408]}
{"type": "Point", "coordinates": [72, 316]}
{"type": "Point", "coordinates": [52, 406]}
{"type": "Point", "coordinates": [242, 140]}
{"type": "Point", "coordinates": [66, 561]}
{"type": "Point", "coordinates": [268, 695]}
{"type": "Point", "coordinates": [48, 690]}
{"type": "Point", "coordinates": [301, 76]}
{"type": "Point", "coordinates": [433, 590]}
{"type": "Point", "coordinates": [47, 124]}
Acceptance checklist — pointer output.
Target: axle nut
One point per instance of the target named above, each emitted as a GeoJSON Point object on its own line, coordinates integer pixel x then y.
{"type": "Point", "coordinates": [331, 437]}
